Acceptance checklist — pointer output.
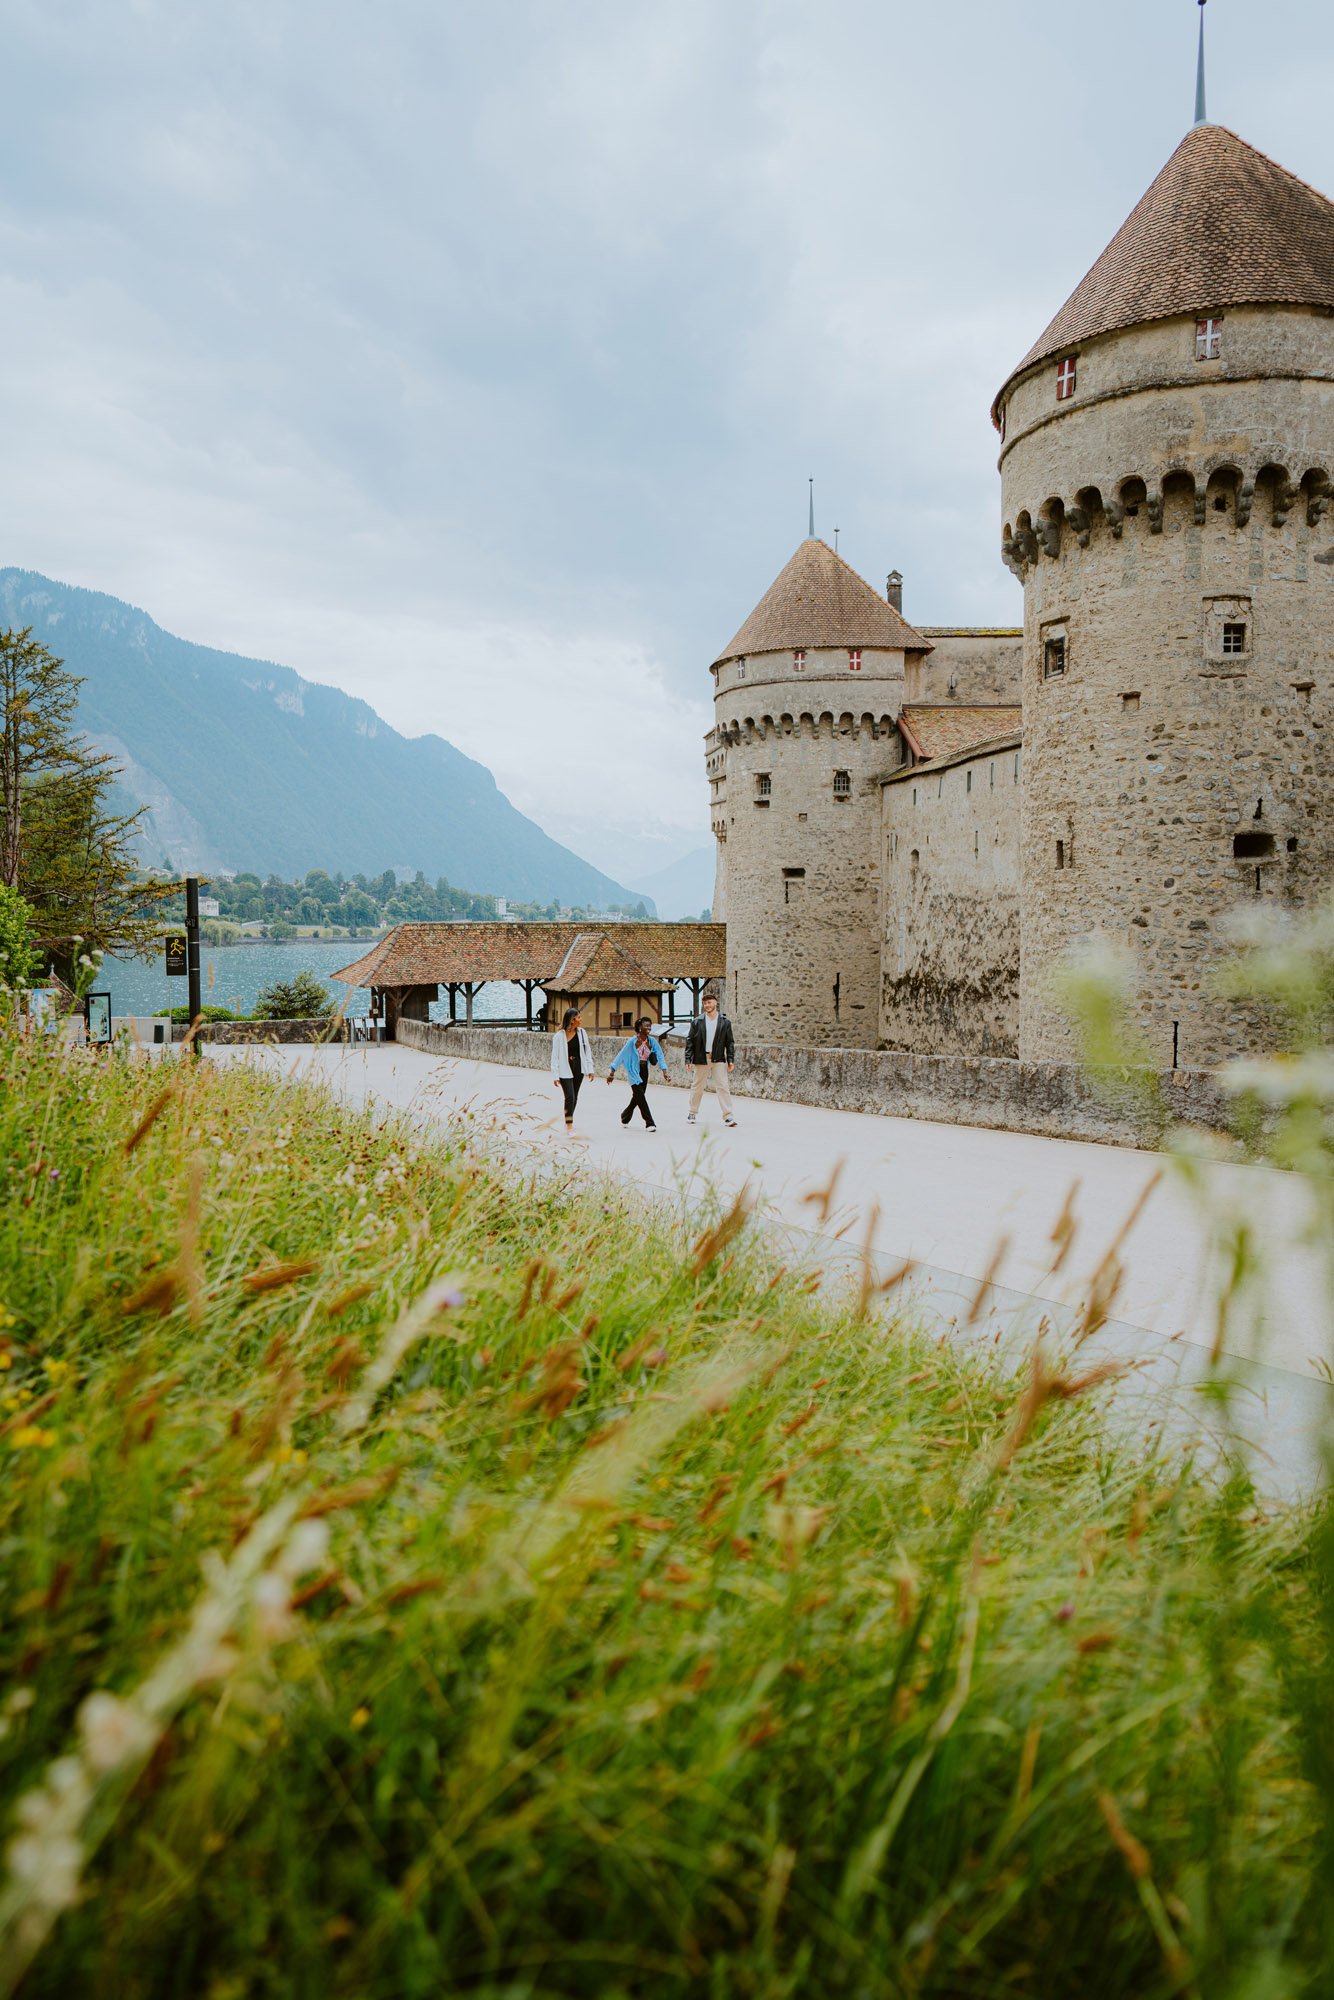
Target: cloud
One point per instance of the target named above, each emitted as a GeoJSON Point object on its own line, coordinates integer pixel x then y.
{"type": "Point", "coordinates": [476, 359]}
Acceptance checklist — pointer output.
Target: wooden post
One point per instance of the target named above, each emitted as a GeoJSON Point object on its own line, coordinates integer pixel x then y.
{"type": "Point", "coordinates": [528, 1004]}
{"type": "Point", "coordinates": [467, 1002]}
{"type": "Point", "coordinates": [453, 1002]}
{"type": "Point", "coordinates": [671, 1006]}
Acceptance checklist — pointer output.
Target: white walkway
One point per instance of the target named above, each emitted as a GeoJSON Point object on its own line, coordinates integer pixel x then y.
{"type": "Point", "coordinates": [963, 1204]}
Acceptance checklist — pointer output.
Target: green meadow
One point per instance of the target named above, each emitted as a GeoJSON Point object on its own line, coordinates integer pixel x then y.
{"type": "Point", "coordinates": [418, 1578]}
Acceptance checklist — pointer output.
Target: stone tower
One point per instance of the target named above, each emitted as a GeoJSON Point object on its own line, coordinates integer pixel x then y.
{"type": "Point", "coordinates": [1167, 453]}
{"type": "Point", "coordinates": [805, 698]}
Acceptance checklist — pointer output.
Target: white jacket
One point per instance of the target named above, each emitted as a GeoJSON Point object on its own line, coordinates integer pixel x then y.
{"type": "Point", "coordinates": [560, 1055]}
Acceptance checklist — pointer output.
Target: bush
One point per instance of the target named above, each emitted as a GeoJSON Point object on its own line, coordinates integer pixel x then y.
{"type": "Point", "coordinates": [19, 958]}
{"type": "Point", "coordinates": [418, 1577]}
{"type": "Point", "coordinates": [299, 999]}
{"type": "Point", "coordinates": [182, 1014]}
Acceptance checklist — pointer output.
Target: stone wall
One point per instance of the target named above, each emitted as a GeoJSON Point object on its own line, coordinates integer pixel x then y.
{"type": "Point", "coordinates": [950, 958]}
{"type": "Point", "coordinates": [309, 1030]}
{"type": "Point", "coordinates": [1172, 782]}
{"type": "Point", "coordinates": [1053, 1100]}
{"type": "Point", "coordinates": [794, 761]}
{"type": "Point", "coordinates": [966, 664]}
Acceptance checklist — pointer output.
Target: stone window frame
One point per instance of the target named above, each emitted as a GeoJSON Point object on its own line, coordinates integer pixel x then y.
{"type": "Point", "coordinates": [1054, 633]}
{"type": "Point", "coordinates": [842, 785]}
{"type": "Point", "coordinates": [1067, 377]}
{"type": "Point", "coordinates": [799, 659]}
{"type": "Point", "coordinates": [764, 787]}
{"type": "Point", "coordinates": [854, 659]}
{"type": "Point", "coordinates": [1222, 614]}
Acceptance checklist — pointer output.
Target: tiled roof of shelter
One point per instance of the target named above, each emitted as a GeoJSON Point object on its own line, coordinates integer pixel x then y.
{"type": "Point", "coordinates": [595, 963]}
{"type": "Point", "coordinates": [819, 600]}
{"type": "Point", "coordinates": [438, 954]}
{"type": "Point", "coordinates": [949, 729]}
{"type": "Point", "coordinates": [1223, 225]}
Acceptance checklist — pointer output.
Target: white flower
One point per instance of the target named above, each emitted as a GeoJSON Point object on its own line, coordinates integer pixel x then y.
{"type": "Point", "coordinates": [50, 1867]}
{"type": "Point", "coordinates": [273, 1607]}
{"type": "Point", "coordinates": [113, 1732]}
{"type": "Point", "coordinates": [307, 1549]}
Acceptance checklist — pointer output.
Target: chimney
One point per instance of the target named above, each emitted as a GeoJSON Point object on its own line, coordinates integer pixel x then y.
{"type": "Point", "coordinates": [894, 589]}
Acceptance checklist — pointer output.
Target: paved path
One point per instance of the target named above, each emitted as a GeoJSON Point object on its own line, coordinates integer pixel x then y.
{"type": "Point", "coordinates": [964, 1204]}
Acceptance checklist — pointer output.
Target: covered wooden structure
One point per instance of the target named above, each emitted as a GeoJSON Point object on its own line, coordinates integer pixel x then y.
{"type": "Point", "coordinates": [415, 963]}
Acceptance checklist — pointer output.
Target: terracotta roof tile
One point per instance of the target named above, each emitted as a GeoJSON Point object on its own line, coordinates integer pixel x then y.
{"type": "Point", "coordinates": [596, 963]}
{"type": "Point", "coordinates": [949, 729]}
{"type": "Point", "coordinates": [819, 600]}
{"type": "Point", "coordinates": [1223, 225]}
{"type": "Point", "coordinates": [436, 954]}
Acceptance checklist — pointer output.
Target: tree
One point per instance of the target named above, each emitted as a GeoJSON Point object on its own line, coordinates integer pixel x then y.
{"type": "Point", "coordinates": [64, 843]}
{"type": "Point", "coordinates": [19, 959]}
{"type": "Point", "coordinates": [299, 999]}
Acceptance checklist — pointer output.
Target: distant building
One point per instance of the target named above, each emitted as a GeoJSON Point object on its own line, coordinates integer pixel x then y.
{"type": "Point", "coordinates": [208, 906]}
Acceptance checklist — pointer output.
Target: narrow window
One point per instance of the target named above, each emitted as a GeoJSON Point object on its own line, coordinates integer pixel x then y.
{"type": "Point", "coordinates": [1053, 659]}
{"type": "Point", "coordinates": [993, 777]}
{"type": "Point", "coordinates": [940, 786]}
{"type": "Point", "coordinates": [969, 785]}
{"type": "Point", "coordinates": [741, 670]}
{"type": "Point", "coordinates": [1209, 338]}
{"type": "Point", "coordinates": [974, 841]}
{"type": "Point", "coordinates": [794, 880]}
{"type": "Point", "coordinates": [1252, 846]}
{"type": "Point", "coordinates": [1060, 854]}
{"type": "Point", "coordinates": [842, 784]}
{"type": "Point", "coordinates": [1130, 701]}
{"type": "Point", "coordinates": [799, 659]}
{"type": "Point", "coordinates": [1234, 638]}
{"type": "Point", "coordinates": [854, 659]}
{"type": "Point", "coordinates": [914, 795]}
{"type": "Point", "coordinates": [1016, 767]}
{"type": "Point", "coordinates": [763, 788]}
{"type": "Point", "coordinates": [1065, 379]}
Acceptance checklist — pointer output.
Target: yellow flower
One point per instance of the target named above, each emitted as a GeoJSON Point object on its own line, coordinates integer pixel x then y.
{"type": "Point", "coordinates": [6, 1358]}
{"type": "Point", "coordinates": [31, 1434]}
{"type": "Point", "coordinates": [360, 1717]}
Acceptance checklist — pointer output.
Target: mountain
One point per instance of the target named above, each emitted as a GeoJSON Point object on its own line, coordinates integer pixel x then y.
{"type": "Point", "coordinates": [243, 764]}
{"type": "Point", "coordinates": [685, 887]}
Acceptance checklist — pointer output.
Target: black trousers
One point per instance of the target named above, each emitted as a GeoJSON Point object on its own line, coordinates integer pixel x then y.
{"type": "Point", "coordinates": [638, 1101]}
{"type": "Point", "coordinates": [569, 1086]}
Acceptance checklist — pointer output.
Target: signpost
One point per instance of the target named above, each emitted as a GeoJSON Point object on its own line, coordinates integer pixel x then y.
{"type": "Point", "coordinates": [183, 954]}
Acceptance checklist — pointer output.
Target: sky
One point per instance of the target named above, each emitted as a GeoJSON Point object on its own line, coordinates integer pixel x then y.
{"type": "Point", "coordinates": [475, 358]}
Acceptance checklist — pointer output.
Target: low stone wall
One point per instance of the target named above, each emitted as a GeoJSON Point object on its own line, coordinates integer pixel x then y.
{"type": "Point", "coordinates": [1053, 1100]}
{"type": "Point", "coordinates": [308, 1030]}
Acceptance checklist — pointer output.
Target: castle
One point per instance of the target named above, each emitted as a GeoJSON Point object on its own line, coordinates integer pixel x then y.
{"type": "Point", "coordinates": [914, 827]}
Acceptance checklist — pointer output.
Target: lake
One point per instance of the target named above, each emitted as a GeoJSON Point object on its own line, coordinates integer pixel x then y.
{"type": "Point", "coordinates": [233, 976]}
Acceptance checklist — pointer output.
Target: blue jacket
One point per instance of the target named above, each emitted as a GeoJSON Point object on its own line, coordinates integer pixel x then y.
{"type": "Point", "coordinates": [628, 1060]}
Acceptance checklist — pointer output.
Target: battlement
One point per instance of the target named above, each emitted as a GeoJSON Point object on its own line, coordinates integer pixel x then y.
{"type": "Point", "coordinates": [809, 723]}
{"type": "Point", "coordinates": [1218, 486]}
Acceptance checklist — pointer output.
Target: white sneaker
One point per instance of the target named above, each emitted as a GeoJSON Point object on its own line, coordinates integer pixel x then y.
{"type": "Point", "coordinates": [731, 1122]}
{"type": "Point", "coordinates": [690, 1118]}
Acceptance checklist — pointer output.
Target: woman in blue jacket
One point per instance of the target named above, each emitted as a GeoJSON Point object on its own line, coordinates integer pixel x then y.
{"type": "Point", "coordinates": [641, 1053]}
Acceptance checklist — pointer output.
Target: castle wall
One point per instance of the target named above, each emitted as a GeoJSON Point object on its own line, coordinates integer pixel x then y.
{"type": "Point", "coordinates": [950, 960]}
{"type": "Point", "coordinates": [966, 664]}
{"type": "Point", "coordinates": [1173, 784]}
{"type": "Point", "coordinates": [798, 846]}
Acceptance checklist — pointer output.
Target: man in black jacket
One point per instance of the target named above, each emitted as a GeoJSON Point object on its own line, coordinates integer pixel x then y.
{"type": "Point", "coordinates": [710, 1053]}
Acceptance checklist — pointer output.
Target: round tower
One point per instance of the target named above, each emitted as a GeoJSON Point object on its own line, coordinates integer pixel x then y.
{"type": "Point", "coordinates": [805, 698]}
{"type": "Point", "coordinates": [1168, 446]}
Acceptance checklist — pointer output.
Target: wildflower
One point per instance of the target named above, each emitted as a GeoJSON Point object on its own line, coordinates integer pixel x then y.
{"type": "Point", "coordinates": [113, 1731]}
{"type": "Point", "coordinates": [360, 1717]}
{"type": "Point", "coordinates": [28, 1436]}
{"type": "Point", "coordinates": [6, 1358]}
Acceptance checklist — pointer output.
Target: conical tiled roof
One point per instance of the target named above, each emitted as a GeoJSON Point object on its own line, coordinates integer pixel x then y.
{"type": "Point", "coordinates": [1223, 225]}
{"type": "Point", "coordinates": [819, 600]}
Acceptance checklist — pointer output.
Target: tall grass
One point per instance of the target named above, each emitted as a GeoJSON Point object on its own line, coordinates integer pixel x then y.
{"type": "Point", "coordinates": [417, 1578]}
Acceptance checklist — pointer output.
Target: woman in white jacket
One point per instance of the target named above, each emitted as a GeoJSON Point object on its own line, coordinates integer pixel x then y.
{"type": "Point", "coordinates": [571, 1061]}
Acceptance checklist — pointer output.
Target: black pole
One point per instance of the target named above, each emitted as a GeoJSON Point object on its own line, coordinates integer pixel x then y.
{"type": "Point", "coordinates": [192, 952]}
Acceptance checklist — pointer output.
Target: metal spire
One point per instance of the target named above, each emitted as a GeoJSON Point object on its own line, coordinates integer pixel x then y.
{"type": "Point", "coordinates": [811, 530]}
{"type": "Point", "coordinates": [1201, 116]}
